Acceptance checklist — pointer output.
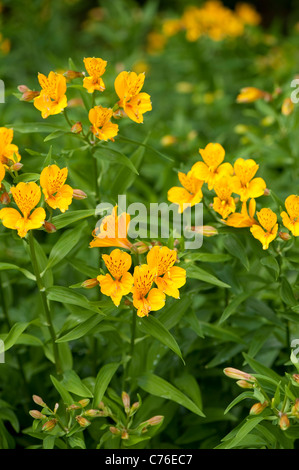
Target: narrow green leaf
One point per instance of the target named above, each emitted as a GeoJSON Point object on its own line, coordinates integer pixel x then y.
{"type": "Point", "coordinates": [237, 400]}
{"type": "Point", "coordinates": [261, 369]}
{"type": "Point", "coordinates": [12, 337]}
{"type": "Point", "coordinates": [236, 249]}
{"type": "Point", "coordinates": [102, 381]}
{"type": "Point", "coordinates": [194, 272]}
{"type": "Point", "coordinates": [66, 397]}
{"type": "Point", "coordinates": [7, 266]}
{"type": "Point", "coordinates": [233, 305]}
{"type": "Point", "coordinates": [63, 220]}
{"type": "Point", "coordinates": [82, 329]}
{"type": "Point", "coordinates": [72, 383]}
{"type": "Point", "coordinates": [114, 156]}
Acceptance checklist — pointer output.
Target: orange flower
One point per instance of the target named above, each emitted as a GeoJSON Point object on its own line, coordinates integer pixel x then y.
{"type": "Point", "coordinates": [2, 173]}
{"type": "Point", "coordinates": [135, 104]}
{"type": "Point", "coordinates": [224, 203]}
{"type": "Point", "coordinates": [95, 68]}
{"type": "Point", "coordinates": [9, 153]}
{"type": "Point", "coordinates": [287, 107]}
{"type": "Point", "coordinates": [250, 94]}
{"type": "Point", "coordinates": [52, 98]}
{"type": "Point", "coordinates": [146, 299]}
{"type": "Point", "coordinates": [268, 221]}
{"type": "Point", "coordinates": [290, 219]}
{"type": "Point", "coordinates": [113, 231]}
{"type": "Point", "coordinates": [118, 263]}
{"type": "Point", "coordinates": [189, 195]}
{"type": "Point", "coordinates": [161, 261]}
{"type": "Point", "coordinates": [212, 167]}
{"type": "Point", "coordinates": [244, 219]}
{"type": "Point", "coordinates": [244, 183]}
{"type": "Point", "coordinates": [57, 194]}
{"type": "Point", "coordinates": [102, 127]}
{"type": "Point", "coordinates": [26, 197]}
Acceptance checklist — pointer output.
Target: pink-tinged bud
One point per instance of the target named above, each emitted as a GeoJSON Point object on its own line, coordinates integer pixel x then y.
{"type": "Point", "coordinates": [295, 409]}
{"type": "Point", "coordinates": [114, 430]}
{"type": "Point", "coordinates": [73, 407]}
{"type": "Point", "coordinates": [257, 408]}
{"type": "Point", "coordinates": [84, 402]}
{"type": "Point", "coordinates": [284, 422]}
{"type": "Point", "coordinates": [29, 95]}
{"type": "Point", "coordinates": [90, 283]}
{"type": "Point", "coordinates": [126, 401]}
{"type": "Point", "coordinates": [49, 425]}
{"type": "Point", "coordinates": [287, 107]}
{"type": "Point", "coordinates": [75, 103]}
{"type": "Point", "coordinates": [76, 128]}
{"type": "Point", "coordinates": [16, 166]}
{"type": "Point", "coordinates": [93, 413]}
{"type": "Point", "coordinates": [244, 384]}
{"type": "Point", "coordinates": [36, 414]}
{"type": "Point", "coordinates": [49, 227]}
{"type": "Point", "coordinates": [267, 192]}
{"type": "Point", "coordinates": [4, 198]}
{"type": "Point", "coordinates": [284, 236]}
{"type": "Point", "coordinates": [238, 374]}
{"type": "Point", "coordinates": [101, 405]}
{"type": "Point", "coordinates": [23, 88]}
{"type": "Point", "coordinates": [79, 194]}
{"type": "Point", "coordinates": [154, 421]}
{"type": "Point", "coordinates": [82, 421]}
{"type": "Point", "coordinates": [140, 248]}
{"type": "Point", "coordinates": [56, 407]}
{"type": "Point", "coordinates": [125, 435]}
{"type": "Point", "coordinates": [205, 230]}
{"type": "Point", "coordinates": [296, 377]}
{"type": "Point", "coordinates": [38, 400]}
{"type": "Point", "coordinates": [71, 74]}
{"type": "Point", "coordinates": [135, 406]}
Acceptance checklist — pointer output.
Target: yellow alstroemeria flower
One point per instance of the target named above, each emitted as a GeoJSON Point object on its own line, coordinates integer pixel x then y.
{"type": "Point", "coordinates": [212, 168]}
{"type": "Point", "coordinates": [267, 230]}
{"type": "Point", "coordinates": [57, 194]}
{"type": "Point", "coordinates": [245, 218]}
{"type": "Point", "coordinates": [135, 104]}
{"type": "Point", "coordinates": [9, 153]}
{"type": "Point", "coordinates": [120, 283]}
{"type": "Point", "coordinates": [169, 278]}
{"type": "Point", "coordinates": [224, 203]}
{"type": "Point", "coordinates": [2, 173]}
{"type": "Point", "coordinates": [102, 127]}
{"type": "Point", "coordinates": [290, 219]}
{"type": "Point", "coordinates": [95, 69]}
{"type": "Point", "coordinates": [146, 299]}
{"type": "Point", "coordinates": [26, 197]}
{"type": "Point", "coordinates": [243, 183]}
{"type": "Point", "coordinates": [187, 196]}
{"type": "Point", "coordinates": [113, 231]}
{"type": "Point", "coordinates": [248, 14]}
{"type": "Point", "coordinates": [250, 94]}
{"type": "Point", "coordinates": [52, 99]}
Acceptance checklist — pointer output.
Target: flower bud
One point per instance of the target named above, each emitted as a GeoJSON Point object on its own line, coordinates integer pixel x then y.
{"type": "Point", "coordinates": [296, 377]}
{"type": "Point", "coordinates": [93, 413]}
{"type": "Point", "coordinates": [125, 435]}
{"type": "Point", "coordinates": [140, 248]}
{"type": "Point", "coordinates": [38, 400]}
{"type": "Point", "coordinates": [205, 230]}
{"type": "Point", "coordinates": [75, 102]}
{"type": "Point", "coordinates": [71, 74]}
{"type": "Point", "coordinates": [119, 113]}
{"type": "Point", "coordinates": [79, 194]}
{"type": "Point", "coordinates": [238, 374]}
{"type": "Point", "coordinates": [49, 227]}
{"type": "Point", "coordinates": [114, 430]}
{"type": "Point", "coordinates": [82, 421]}
{"type": "Point", "coordinates": [73, 407]}
{"type": "Point", "coordinates": [49, 425]}
{"type": "Point", "coordinates": [76, 128]}
{"type": "Point", "coordinates": [244, 384]}
{"type": "Point", "coordinates": [257, 408]}
{"type": "Point", "coordinates": [154, 421]}
{"type": "Point", "coordinates": [36, 414]}
{"type": "Point", "coordinates": [90, 283]}
{"type": "Point", "coordinates": [126, 401]}
{"type": "Point", "coordinates": [56, 407]}
{"type": "Point", "coordinates": [284, 422]}
{"type": "Point", "coordinates": [23, 88]}
{"type": "Point", "coordinates": [84, 402]}
{"type": "Point", "coordinates": [135, 406]}
{"type": "Point", "coordinates": [16, 166]}
{"type": "Point", "coordinates": [266, 192]}
{"type": "Point", "coordinates": [295, 408]}
{"type": "Point", "coordinates": [4, 198]}
{"type": "Point", "coordinates": [284, 236]}
{"type": "Point", "coordinates": [287, 107]}
{"type": "Point", "coordinates": [168, 140]}
{"type": "Point", "coordinates": [27, 94]}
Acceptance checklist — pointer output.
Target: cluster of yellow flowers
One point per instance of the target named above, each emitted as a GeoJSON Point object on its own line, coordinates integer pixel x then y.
{"type": "Point", "coordinates": [239, 179]}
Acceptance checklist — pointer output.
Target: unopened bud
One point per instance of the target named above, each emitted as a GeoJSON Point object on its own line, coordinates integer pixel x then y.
{"type": "Point", "coordinates": [284, 422]}
{"type": "Point", "coordinates": [4, 198]}
{"type": "Point", "coordinates": [205, 230]}
{"type": "Point", "coordinates": [114, 430]}
{"type": "Point", "coordinates": [296, 377]}
{"type": "Point", "coordinates": [27, 94]}
{"type": "Point", "coordinates": [38, 400]}
{"type": "Point", "coordinates": [154, 421]}
{"type": "Point", "coordinates": [295, 409]}
{"type": "Point", "coordinates": [101, 405]}
{"type": "Point", "coordinates": [71, 74]}
{"type": "Point", "coordinates": [125, 435]}
{"type": "Point", "coordinates": [238, 374]}
{"type": "Point", "coordinates": [257, 408]}
{"type": "Point", "coordinates": [168, 140]}
{"type": "Point", "coordinates": [49, 227]}
{"type": "Point", "coordinates": [76, 128]}
{"type": "Point", "coordinates": [75, 102]}
{"type": "Point", "coordinates": [82, 421]}
{"type": "Point", "coordinates": [36, 414]}
{"type": "Point", "coordinates": [84, 402]}
{"type": "Point", "coordinates": [244, 384]}
{"type": "Point", "coordinates": [23, 88]}
{"type": "Point", "coordinates": [126, 401]}
{"type": "Point", "coordinates": [135, 406]}
{"type": "Point", "coordinates": [56, 407]}
{"type": "Point", "coordinates": [140, 248]}
{"type": "Point", "coordinates": [73, 407]}
{"type": "Point", "coordinates": [90, 283]}
{"type": "Point", "coordinates": [284, 236]}
{"type": "Point", "coordinates": [16, 166]}
{"type": "Point", "coordinates": [79, 194]}
{"type": "Point", "coordinates": [287, 107]}
{"type": "Point", "coordinates": [119, 113]}
{"type": "Point", "coordinates": [49, 425]}
{"type": "Point", "coordinates": [93, 413]}
{"type": "Point", "coordinates": [266, 192]}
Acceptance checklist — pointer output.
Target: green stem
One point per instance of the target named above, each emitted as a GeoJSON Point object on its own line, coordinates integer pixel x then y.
{"type": "Point", "coordinates": [43, 296]}
{"type": "Point", "coordinates": [96, 178]}
{"type": "Point", "coordinates": [67, 118]}
{"type": "Point", "coordinates": [133, 334]}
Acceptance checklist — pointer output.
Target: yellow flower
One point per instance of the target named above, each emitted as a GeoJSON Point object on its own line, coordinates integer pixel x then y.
{"type": "Point", "coordinates": [291, 219]}
{"type": "Point", "coordinates": [135, 104]}
{"type": "Point", "coordinates": [244, 219]}
{"type": "Point", "coordinates": [95, 68]}
{"type": "Point", "coordinates": [267, 230]}
{"type": "Point", "coordinates": [9, 153]}
{"type": "Point", "coordinates": [102, 127]}
{"type": "Point", "coordinates": [52, 98]}
{"type": "Point", "coordinates": [146, 299]}
{"type": "Point", "coordinates": [118, 263]}
{"type": "Point", "coordinates": [189, 195]}
{"type": "Point", "coordinates": [168, 278]}
{"type": "Point", "coordinates": [57, 194]}
{"type": "Point", "coordinates": [155, 42]}
{"type": "Point", "coordinates": [224, 203]}
{"type": "Point", "coordinates": [2, 173]}
{"type": "Point", "coordinates": [248, 14]}
{"type": "Point", "coordinates": [113, 231]}
{"type": "Point", "coordinates": [243, 183]}
{"type": "Point", "coordinates": [287, 107]}
{"type": "Point", "coordinates": [212, 167]}
{"type": "Point", "coordinates": [26, 197]}
{"type": "Point", "coordinates": [171, 27]}
{"type": "Point", "coordinates": [250, 94]}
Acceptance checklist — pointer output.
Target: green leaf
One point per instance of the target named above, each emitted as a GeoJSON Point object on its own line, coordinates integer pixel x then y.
{"type": "Point", "coordinates": [271, 263]}
{"type": "Point", "coordinates": [82, 329]}
{"type": "Point", "coordinates": [7, 266]}
{"type": "Point", "coordinates": [114, 156]}
{"type": "Point", "coordinates": [247, 427]}
{"type": "Point", "coordinates": [194, 272]}
{"type": "Point", "coordinates": [206, 257]}
{"type": "Point", "coordinates": [102, 381]}
{"type": "Point", "coordinates": [233, 305]}
{"type": "Point", "coordinates": [12, 337]}
{"type": "Point", "coordinates": [68, 296]}
{"type": "Point", "coordinates": [25, 177]}
{"type": "Point", "coordinates": [155, 328]}
{"type": "Point", "coordinates": [188, 385]}
{"type": "Point", "coordinates": [286, 293]}
{"type": "Point", "coordinates": [34, 127]}
{"type": "Point", "coordinates": [237, 400]}
{"type": "Point", "coordinates": [261, 369]}
{"type": "Point", "coordinates": [62, 220]}
{"type": "Point", "coordinates": [236, 249]}
{"type": "Point", "coordinates": [72, 383]}
{"type": "Point", "coordinates": [66, 397]}
{"type": "Point", "coordinates": [161, 388]}
{"type": "Point", "coordinates": [142, 144]}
